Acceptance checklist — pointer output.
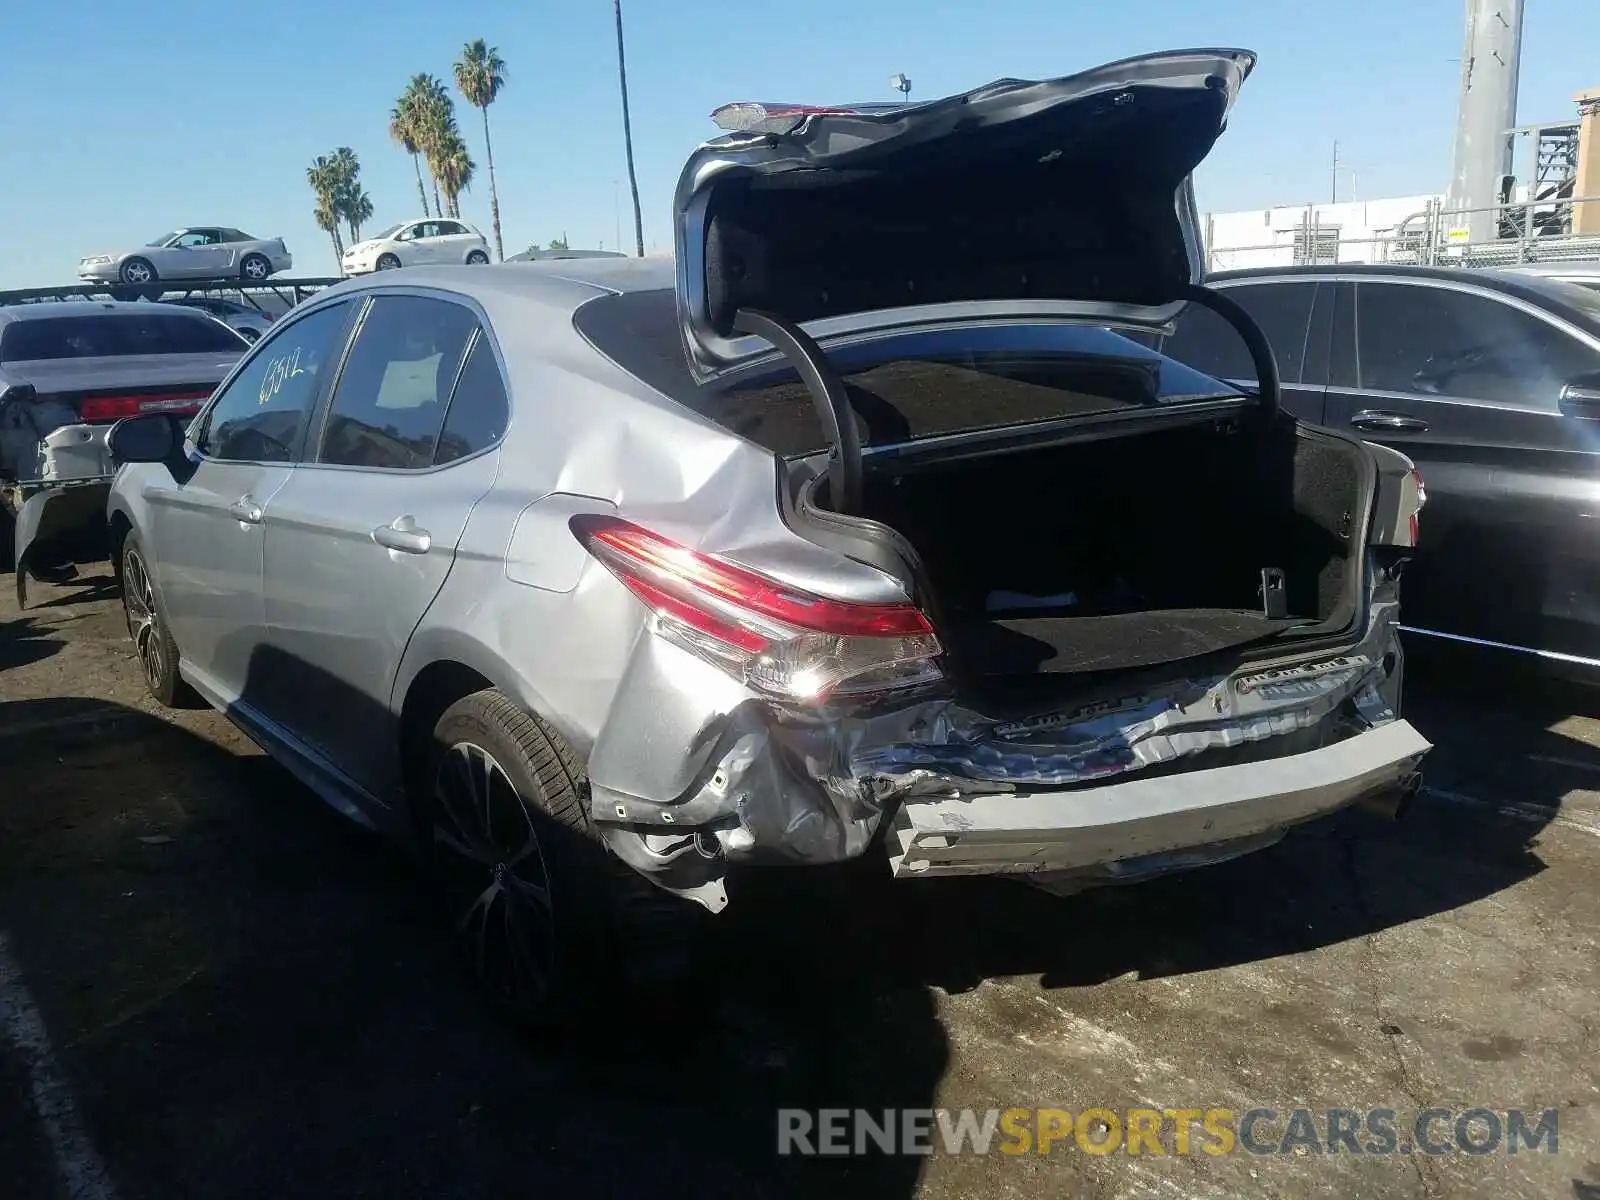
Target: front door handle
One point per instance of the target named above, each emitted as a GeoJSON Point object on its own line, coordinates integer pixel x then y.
{"type": "Point", "coordinates": [1375, 421]}
{"type": "Point", "coordinates": [403, 535]}
{"type": "Point", "coordinates": [245, 509]}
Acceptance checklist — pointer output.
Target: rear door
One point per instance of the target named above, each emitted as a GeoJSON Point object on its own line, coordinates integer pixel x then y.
{"type": "Point", "coordinates": [1295, 316]}
{"type": "Point", "coordinates": [360, 541]}
{"type": "Point", "coordinates": [206, 543]}
{"type": "Point", "coordinates": [1467, 383]}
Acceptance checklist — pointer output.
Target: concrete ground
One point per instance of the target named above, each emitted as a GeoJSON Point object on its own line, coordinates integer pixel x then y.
{"type": "Point", "coordinates": [212, 986]}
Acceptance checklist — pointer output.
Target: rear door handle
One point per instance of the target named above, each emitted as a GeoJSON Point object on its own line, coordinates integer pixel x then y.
{"type": "Point", "coordinates": [245, 509]}
{"type": "Point", "coordinates": [403, 535]}
{"type": "Point", "coordinates": [1375, 421]}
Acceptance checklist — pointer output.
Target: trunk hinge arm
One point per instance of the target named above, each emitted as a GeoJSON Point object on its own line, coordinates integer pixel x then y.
{"type": "Point", "coordinates": [1255, 341]}
{"type": "Point", "coordinates": [828, 393]}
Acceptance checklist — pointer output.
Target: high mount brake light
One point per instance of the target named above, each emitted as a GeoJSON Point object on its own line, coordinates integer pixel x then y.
{"type": "Point", "coordinates": [778, 640]}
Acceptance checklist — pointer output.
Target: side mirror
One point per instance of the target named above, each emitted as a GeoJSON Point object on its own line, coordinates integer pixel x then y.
{"type": "Point", "coordinates": [17, 391]}
{"type": "Point", "coordinates": [1581, 397]}
{"type": "Point", "coordinates": [149, 438]}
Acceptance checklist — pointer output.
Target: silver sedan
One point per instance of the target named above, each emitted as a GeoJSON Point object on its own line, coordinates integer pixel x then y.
{"type": "Point", "coordinates": [197, 252]}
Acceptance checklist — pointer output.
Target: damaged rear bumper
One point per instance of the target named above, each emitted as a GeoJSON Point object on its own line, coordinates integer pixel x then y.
{"type": "Point", "coordinates": [1113, 786]}
{"type": "Point", "coordinates": [1138, 825]}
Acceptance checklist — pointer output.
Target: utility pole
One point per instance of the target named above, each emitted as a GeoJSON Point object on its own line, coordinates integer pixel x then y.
{"type": "Point", "coordinates": [902, 84]}
{"type": "Point", "coordinates": [1335, 197]}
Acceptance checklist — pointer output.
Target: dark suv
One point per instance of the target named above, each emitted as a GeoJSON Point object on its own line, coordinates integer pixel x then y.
{"type": "Point", "coordinates": [1490, 382]}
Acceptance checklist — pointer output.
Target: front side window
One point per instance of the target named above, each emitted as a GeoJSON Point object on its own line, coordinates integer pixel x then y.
{"type": "Point", "coordinates": [196, 237]}
{"type": "Point", "coordinates": [1442, 342]}
{"type": "Point", "coordinates": [390, 403]}
{"type": "Point", "coordinates": [1206, 342]}
{"type": "Point", "coordinates": [261, 415]}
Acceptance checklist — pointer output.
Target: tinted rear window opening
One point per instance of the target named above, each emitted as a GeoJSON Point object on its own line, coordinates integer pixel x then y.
{"type": "Point", "coordinates": [903, 387]}
{"type": "Point", "coordinates": [104, 335]}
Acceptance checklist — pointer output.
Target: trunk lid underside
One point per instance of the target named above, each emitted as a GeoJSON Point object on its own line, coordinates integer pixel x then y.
{"type": "Point", "coordinates": [1067, 197]}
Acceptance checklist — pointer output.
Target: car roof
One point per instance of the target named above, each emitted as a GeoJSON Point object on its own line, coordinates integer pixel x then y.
{"type": "Point", "coordinates": [567, 282]}
{"type": "Point", "coordinates": [79, 308]}
{"type": "Point", "coordinates": [1540, 290]}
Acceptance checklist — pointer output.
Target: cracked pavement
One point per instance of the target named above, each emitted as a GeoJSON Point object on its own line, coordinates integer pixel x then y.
{"type": "Point", "coordinates": [244, 996]}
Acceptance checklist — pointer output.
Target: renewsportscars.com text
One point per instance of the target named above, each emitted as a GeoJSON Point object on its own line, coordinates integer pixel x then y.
{"type": "Point", "coordinates": [1176, 1131]}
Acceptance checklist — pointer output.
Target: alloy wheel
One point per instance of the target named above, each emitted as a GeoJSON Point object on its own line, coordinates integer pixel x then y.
{"type": "Point", "coordinates": [144, 621]}
{"type": "Point", "coordinates": [255, 268]}
{"type": "Point", "coordinates": [136, 272]}
{"type": "Point", "coordinates": [493, 870]}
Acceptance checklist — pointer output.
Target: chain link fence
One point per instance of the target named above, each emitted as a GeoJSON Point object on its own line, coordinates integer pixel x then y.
{"type": "Point", "coordinates": [1536, 231]}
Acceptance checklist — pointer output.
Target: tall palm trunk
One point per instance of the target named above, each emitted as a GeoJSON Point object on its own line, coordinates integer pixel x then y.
{"type": "Point", "coordinates": [627, 132]}
{"type": "Point", "coordinates": [494, 197]}
{"type": "Point", "coordinates": [437, 211]}
{"type": "Point", "coordinates": [338, 247]}
{"type": "Point", "coordinates": [416, 161]}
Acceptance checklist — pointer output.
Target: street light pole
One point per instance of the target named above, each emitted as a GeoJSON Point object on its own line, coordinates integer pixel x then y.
{"type": "Point", "coordinates": [902, 84]}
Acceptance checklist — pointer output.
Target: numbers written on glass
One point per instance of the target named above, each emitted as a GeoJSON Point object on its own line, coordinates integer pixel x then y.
{"type": "Point", "coordinates": [279, 371]}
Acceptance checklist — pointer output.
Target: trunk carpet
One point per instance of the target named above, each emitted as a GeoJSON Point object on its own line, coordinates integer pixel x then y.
{"type": "Point", "coordinates": [1070, 645]}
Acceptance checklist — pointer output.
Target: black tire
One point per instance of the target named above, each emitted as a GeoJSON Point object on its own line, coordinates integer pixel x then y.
{"type": "Point", "coordinates": [248, 334]}
{"type": "Point", "coordinates": [550, 921]}
{"type": "Point", "coordinates": [477, 258]}
{"type": "Point", "coordinates": [387, 262]}
{"type": "Point", "coordinates": [147, 626]}
{"type": "Point", "coordinates": [137, 272]}
{"type": "Point", "coordinates": [254, 268]}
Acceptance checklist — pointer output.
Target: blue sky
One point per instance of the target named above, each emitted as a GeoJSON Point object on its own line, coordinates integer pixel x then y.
{"type": "Point", "coordinates": [123, 120]}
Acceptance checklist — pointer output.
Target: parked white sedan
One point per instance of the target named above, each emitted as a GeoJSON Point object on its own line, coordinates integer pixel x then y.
{"type": "Point", "coordinates": [412, 243]}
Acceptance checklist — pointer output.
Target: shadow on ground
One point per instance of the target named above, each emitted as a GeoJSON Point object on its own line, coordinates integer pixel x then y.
{"type": "Point", "coordinates": [252, 997]}
{"type": "Point", "coordinates": [24, 640]}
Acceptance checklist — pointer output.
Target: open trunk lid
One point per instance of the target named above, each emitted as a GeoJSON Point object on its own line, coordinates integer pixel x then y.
{"type": "Point", "coordinates": [1069, 197]}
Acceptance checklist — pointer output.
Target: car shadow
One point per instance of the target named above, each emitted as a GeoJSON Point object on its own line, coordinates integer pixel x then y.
{"type": "Point", "coordinates": [253, 996]}
{"type": "Point", "coordinates": [24, 641]}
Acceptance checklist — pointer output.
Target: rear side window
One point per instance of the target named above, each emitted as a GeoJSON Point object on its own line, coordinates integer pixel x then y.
{"type": "Point", "coordinates": [389, 405]}
{"type": "Point", "coordinates": [1206, 342]}
{"type": "Point", "coordinates": [905, 386]}
{"type": "Point", "coordinates": [104, 335]}
{"type": "Point", "coordinates": [479, 409]}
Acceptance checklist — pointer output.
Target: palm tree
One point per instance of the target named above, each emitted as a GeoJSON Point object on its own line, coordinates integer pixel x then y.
{"type": "Point", "coordinates": [323, 177]}
{"type": "Point", "coordinates": [349, 201]}
{"type": "Point", "coordinates": [480, 76]}
{"type": "Point", "coordinates": [627, 131]}
{"type": "Point", "coordinates": [357, 211]}
{"type": "Point", "coordinates": [436, 130]}
{"type": "Point", "coordinates": [455, 171]}
{"type": "Point", "coordinates": [403, 129]}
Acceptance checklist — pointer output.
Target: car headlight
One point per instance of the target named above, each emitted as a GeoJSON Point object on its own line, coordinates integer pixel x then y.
{"type": "Point", "coordinates": [96, 260]}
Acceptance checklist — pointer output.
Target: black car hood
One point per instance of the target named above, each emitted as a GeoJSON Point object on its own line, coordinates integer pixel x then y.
{"type": "Point", "coordinates": [1067, 197]}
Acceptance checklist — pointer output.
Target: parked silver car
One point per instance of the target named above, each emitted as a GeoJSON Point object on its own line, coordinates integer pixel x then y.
{"type": "Point", "coordinates": [210, 252]}
{"type": "Point", "coordinates": [590, 573]}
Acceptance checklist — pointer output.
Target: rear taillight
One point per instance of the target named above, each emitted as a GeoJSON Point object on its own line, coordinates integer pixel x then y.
{"type": "Point", "coordinates": [114, 408]}
{"type": "Point", "coordinates": [1422, 499]}
{"type": "Point", "coordinates": [778, 640]}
